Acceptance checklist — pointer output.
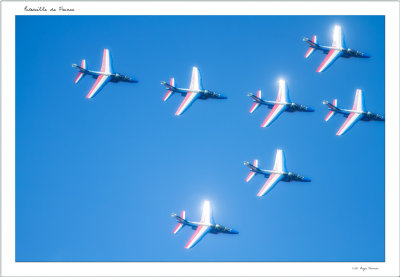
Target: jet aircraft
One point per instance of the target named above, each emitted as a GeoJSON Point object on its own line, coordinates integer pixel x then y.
{"type": "Point", "coordinates": [281, 104]}
{"type": "Point", "coordinates": [338, 49]}
{"type": "Point", "coordinates": [206, 225]}
{"type": "Point", "coordinates": [278, 173]}
{"type": "Point", "coordinates": [194, 92]}
{"type": "Point", "coordinates": [358, 112]}
{"type": "Point", "coordinates": [105, 75]}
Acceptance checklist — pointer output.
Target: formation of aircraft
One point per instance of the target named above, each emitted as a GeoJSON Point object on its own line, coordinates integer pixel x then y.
{"type": "Point", "coordinates": [282, 104]}
{"type": "Point", "coordinates": [358, 112]}
{"type": "Point", "coordinates": [203, 227]}
{"type": "Point", "coordinates": [195, 91]}
{"type": "Point", "coordinates": [338, 49]}
{"type": "Point", "coordinates": [105, 75]}
{"type": "Point", "coordinates": [278, 173]}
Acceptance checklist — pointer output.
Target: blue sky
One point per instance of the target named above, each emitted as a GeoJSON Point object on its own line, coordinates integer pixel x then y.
{"type": "Point", "coordinates": [97, 180]}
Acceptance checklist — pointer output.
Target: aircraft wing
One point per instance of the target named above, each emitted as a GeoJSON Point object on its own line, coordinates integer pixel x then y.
{"type": "Point", "coordinates": [350, 121]}
{"type": "Point", "coordinates": [329, 59]}
{"type": "Point", "coordinates": [274, 113]}
{"type": "Point", "coordinates": [272, 180]}
{"type": "Point", "coordinates": [338, 38]}
{"type": "Point", "coordinates": [195, 82]}
{"type": "Point", "coordinates": [358, 104]}
{"type": "Point", "coordinates": [280, 161]}
{"type": "Point", "coordinates": [201, 231]}
{"type": "Point", "coordinates": [106, 65]}
{"type": "Point", "coordinates": [101, 81]}
{"type": "Point", "coordinates": [187, 102]}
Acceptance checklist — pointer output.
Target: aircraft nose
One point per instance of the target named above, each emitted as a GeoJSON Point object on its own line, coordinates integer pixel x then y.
{"type": "Point", "coordinates": [223, 96]}
{"type": "Point", "coordinates": [365, 55]}
{"type": "Point", "coordinates": [306, 179]}
{"type": "Point", "coordinates": [310, 109]}
{"type": "Point", "coordinates": [234, 231]}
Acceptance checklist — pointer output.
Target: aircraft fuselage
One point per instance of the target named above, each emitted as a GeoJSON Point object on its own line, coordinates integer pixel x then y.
{"type": "Point", "coordinates": [346, 52]}
{"type": "Point", "coordinates": [288, 176]}
{"type": "Point", "coordinates": [205, 94]}
{"type": "Point", "coordinates": [290, 106]}
{"type": "Point", "coordinates": [366, 116]}
{"type": "Point", "coordinates": [115, 77]}
{"type": "Point", "coordinates": [215, 228]}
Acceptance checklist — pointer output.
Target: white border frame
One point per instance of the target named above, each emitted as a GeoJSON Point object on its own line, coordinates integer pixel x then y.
{"type": "Point", "coordinates": [388, 268]}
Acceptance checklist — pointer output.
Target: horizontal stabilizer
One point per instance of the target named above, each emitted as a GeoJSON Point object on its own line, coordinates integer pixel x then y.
{"type": "Point", "coordinates": [314, 39]}
{"type": "Point", "coordinates": [169, 92]}
{"type": "Point", "coordinates": [309, 52]}
{"type": "Point", "coordinates": [312, 46]}
{"type": "Point", "coordinates": [181, 222]}
{"type": "Point", "coordinates": [256, 104]}
{"type": "Point", "coordinates": [331, 112]}
{"type": "Point", "coordinates": [252, 173]}
{"type": "Point", "coordinates": [81, 73]}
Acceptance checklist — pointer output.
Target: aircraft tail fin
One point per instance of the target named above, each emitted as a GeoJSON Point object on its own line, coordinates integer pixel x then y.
{"type": "Point", "coordinates": [81, 73]}
{"type": "Point", "coordinates": [181, 219]}
{"type": "Point", "coordinates": [169, 92]}
{"type": "Point", "coordinates": [252, 173]}
{"type": "Point", "coordinates": [312, 48]}
{"type": "Point", "coordinates": [332, 107]}
{"type": "Point", "coordinates": [256, 104]}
